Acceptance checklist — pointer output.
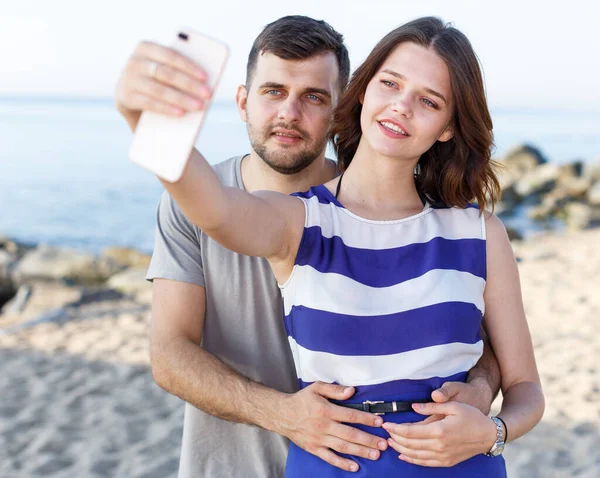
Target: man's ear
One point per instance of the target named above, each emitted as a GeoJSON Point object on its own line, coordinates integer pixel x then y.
{"type": "Point", "coordinates": [447, 134]}
{"type": "Point", "coordinates": [241, 98]}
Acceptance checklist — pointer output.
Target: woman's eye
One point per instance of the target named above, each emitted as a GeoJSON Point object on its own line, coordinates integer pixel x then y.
{"type": "Point", "coordinates": [391, 84]}
{"type": "Point", "coordinates": [429, 103]}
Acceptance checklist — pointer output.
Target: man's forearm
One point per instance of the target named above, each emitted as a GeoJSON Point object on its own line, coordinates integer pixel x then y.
{"type": "Point", "coordinates": [201, 379]}
{"type": "Point", "coordinates": [487, 371]}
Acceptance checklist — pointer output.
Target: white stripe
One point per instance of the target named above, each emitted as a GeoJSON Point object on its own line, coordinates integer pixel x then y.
{"type": "Point", "coordinates": [341, 295]}
{"type": "Point", "coordinates": [450, 223]}
{"type": "Point", "coordinates": [437, 361]}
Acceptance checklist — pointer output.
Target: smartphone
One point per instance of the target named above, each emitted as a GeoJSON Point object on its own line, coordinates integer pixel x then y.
{"type": "Point", "coordinates": [163, 144]}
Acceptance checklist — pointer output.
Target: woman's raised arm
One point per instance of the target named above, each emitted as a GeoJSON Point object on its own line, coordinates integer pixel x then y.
{"type": "Point", "coordinates": [265, 223]}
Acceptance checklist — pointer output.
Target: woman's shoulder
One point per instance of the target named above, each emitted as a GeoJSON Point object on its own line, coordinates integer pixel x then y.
{"type": "Point", "coordinates": [470, 211]}
{"type": "Point", "coordinates": [320, 194]}
{"type": "Point", "coordinates": [495, 228]}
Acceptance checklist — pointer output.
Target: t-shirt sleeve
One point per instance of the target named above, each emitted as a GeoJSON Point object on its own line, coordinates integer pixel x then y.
{"type": "Point", "coordinates": [177, 251]}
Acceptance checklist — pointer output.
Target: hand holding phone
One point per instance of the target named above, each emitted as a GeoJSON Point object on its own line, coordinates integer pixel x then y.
{"type": "Point", "coordinates": [162, 144]}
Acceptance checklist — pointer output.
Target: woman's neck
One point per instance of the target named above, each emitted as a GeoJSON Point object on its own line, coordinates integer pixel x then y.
{"type": "Point", "coordinates": [380, 187]}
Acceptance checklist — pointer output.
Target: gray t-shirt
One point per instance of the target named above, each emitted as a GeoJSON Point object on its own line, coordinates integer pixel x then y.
{"type": "Point", "coordinates": [243, 327]}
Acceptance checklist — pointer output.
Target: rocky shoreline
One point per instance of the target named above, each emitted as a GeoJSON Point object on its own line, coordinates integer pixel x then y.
{"type": "Point", "coordinates": [549, 194]}
{"type": "Point", "coordinates": [78, 398]}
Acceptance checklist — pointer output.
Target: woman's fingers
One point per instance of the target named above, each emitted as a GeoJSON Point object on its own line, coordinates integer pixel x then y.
{"type": "Point", "coordinates": [169, 57]}
{"type": "Point", "coordinates": [153, 91]}
{"type": "Point", "coordinates": [162, 80]}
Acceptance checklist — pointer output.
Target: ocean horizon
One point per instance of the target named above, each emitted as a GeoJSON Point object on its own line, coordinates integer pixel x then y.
{"type": "Point", "coordinates": [65, 178]}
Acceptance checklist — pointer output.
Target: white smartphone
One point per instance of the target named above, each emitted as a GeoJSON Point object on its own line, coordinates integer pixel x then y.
{"type": "Point", "coordinates": [163, 144]}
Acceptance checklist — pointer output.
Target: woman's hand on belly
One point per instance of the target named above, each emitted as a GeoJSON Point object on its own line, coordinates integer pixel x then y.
{"type": "Point", "coordinates": [453, 432]}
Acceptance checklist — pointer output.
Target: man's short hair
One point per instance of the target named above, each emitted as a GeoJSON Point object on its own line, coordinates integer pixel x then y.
{"type": "Point", "coordinates": [297, 37]}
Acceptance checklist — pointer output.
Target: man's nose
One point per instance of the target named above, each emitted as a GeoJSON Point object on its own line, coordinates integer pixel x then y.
{"type": "Point", "coordinates": [289, 110]}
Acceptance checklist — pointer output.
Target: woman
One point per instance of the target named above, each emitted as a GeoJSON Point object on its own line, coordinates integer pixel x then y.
{"type": "Point", "coordinates": [388, 272]}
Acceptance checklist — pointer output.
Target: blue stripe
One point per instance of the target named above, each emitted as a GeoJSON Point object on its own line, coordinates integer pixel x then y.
{"type": "Point", "coordinates": [322, 193]}
{"type": "Point", "coordinates": [339, 334]}
{"type": "Point", "coordinates": [399, 389]}
{"type": "Point", "coordinates": [387, 267]}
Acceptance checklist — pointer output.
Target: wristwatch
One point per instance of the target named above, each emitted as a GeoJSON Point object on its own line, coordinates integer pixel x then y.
{"type": "Point", "coordinates": [498, 446]}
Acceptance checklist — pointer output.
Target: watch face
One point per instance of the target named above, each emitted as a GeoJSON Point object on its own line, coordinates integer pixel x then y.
{"type": "Point", "coordinates": [497, 450]}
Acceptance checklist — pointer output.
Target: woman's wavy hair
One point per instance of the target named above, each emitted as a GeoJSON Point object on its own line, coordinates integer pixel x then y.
{"type": "Point", "coordinates": [452, 173]}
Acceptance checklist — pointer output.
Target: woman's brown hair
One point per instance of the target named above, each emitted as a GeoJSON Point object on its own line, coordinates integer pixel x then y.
{"type": "Point", "coordinates": [455, 172]}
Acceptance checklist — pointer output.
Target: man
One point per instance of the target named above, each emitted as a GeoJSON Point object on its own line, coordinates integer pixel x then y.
{"type": "Point", "coordinates": [218, 339]}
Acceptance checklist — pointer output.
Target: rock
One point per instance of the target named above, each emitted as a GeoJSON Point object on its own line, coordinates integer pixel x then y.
{"type": "Point", "coordinates": [8, 245]}
{"type": "Point", "coordinates": [523, 158]}
{"type": "Point", "coordinates": [130, 281]}
{"type": "Point", "coordinates": [514, 234]}
{"type": "Point", "coordinates": [556, 200]}
{"type": "Point", "coordinates": [541, 212]}
{"type": "Point", "coordinates": [571, 170]}
{"type": "Point", "coordinates": [578, 215]}
{"type": "Point", "coordinates": [50, 263]}
{"type": "Point", "coordinates": [592, 171]}
{"type": "Point", "coordinates": [127, 257]}
{"type": "Point", "coordinates": [574, 187]}
{"type": "Point", "coordinates": [15, 248]}
{"type": "Point", "coordinates": [593, 195]}
{"type": "Point", "coordinates": [45, 299]}
{"type": "Point", "coordinates": [510, 198]}
{"type": "Point", "coordinates": [7, 288]}
{"type": "Point", "coordinates": [517, 163]}
{"type": "Point", "coordinates": [17, 304]}
{"type": "Point", "coordinates": [7, 263]}
{"type": "Point", "coordinates": [537, 181]}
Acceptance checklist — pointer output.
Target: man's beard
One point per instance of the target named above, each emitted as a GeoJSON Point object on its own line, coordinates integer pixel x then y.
{"type": "Point", "coordinates": [282, 160]}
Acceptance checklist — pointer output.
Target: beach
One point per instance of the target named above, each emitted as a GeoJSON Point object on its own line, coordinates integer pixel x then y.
{"type": "Point", "coordinates": [79, 400]}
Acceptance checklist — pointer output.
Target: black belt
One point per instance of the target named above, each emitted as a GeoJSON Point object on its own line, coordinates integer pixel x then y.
{"type": "Point", "coordinates": [381, 408]}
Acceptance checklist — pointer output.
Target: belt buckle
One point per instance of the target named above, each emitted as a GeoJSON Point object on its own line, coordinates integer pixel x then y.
{"type": "Point", "coordinates": [369, 402]}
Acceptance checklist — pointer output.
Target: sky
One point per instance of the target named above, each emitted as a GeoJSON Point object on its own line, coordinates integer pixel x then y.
{"type": "Point", "coordinates": [535, 54]}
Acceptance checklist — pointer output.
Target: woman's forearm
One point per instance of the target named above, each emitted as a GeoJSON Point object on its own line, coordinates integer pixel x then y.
{"type": "Point", "coordinates": [522, 408]}
{"type": "Point", "coordinates": [200, 194]}
{"type": "Point", "coordinates": [265, 223]}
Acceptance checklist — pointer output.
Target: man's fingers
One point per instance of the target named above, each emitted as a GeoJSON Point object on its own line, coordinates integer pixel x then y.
{"type": "Point", "coordinates": [348, 448]}
{"type": "Point", "coordinates": [446, 392]}
{"type": "Point", "coordinates": [170, 57]}
{"type": "Point", "coordinates": [349, 415]}
{"type": "Point", "coordinates": [354, 435]}
{"type": "Point", "coordinates": [332, 390]}
{"type": "Point", "coordinates": [330, 457]}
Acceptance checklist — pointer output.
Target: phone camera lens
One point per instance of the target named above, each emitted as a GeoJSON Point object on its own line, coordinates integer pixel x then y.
{"type": "Point", "coordinates": [183, 36]}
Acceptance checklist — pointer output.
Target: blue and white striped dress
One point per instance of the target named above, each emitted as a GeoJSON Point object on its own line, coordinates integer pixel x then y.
{"type": "Point", "coordinates": [392, 308]}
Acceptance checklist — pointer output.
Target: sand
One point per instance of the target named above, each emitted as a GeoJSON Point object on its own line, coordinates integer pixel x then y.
{"type": "Point", "coordinates": [78, 398]}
